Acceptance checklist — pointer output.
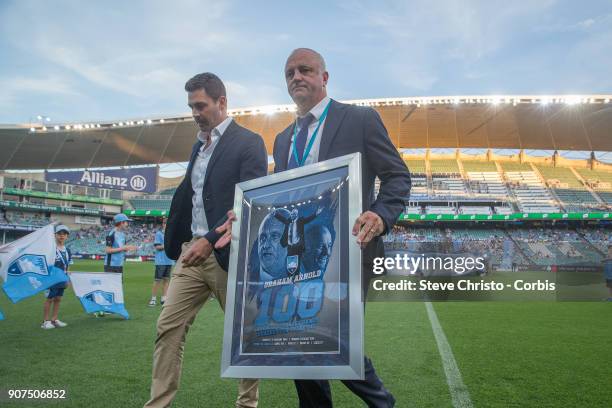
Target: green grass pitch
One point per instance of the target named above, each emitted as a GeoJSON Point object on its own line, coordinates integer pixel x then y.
{"type": "Point", "coordinates": [510, 354]}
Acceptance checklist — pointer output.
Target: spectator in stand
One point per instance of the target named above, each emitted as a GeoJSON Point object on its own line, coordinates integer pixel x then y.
{"type": "Point", "coordinates": [607, 266]}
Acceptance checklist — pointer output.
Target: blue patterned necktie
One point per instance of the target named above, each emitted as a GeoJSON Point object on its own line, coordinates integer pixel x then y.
{"type": "Point", "coordinates": [300, 140]}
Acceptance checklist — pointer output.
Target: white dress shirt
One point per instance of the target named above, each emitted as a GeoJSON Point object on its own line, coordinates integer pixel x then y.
{"type": "Point", "coordinates": [199, 225]}
{"type": "Point", "coordinates": [316, 111]}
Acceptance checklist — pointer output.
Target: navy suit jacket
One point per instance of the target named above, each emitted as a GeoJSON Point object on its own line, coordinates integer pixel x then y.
{"type": "Point", "coordinates": [240, 155]}
{"type": "Point", "coordinates": [350, 129]}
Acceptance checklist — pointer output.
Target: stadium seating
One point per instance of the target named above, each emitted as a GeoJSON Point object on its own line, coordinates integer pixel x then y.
{"type": "Point", "coordinates": [163, 199]}
{"type": "Point", "coordinates": [478, 166]}
{"type": "Point", "coordinates": [545, 189]}
{"type": "Point", "coordinates": [491, 241]}
{"type": "Point", "coordinates": [24, 218]}
{"type": "Point", "coordinates": [478, 210]}
{"type": "Point", "coordinates": [54, 188]}
{"type": "Point", "coordinates": [444, 166]}
{"type": "Point", "coordinates": [440, 209]}
{"type": "Point", "coordinates": [571, 192]}
{"type": "Point", "coordinates": [515, 166]}
{"type": "Point", "coordinates": [145, 203]}
{"type": "Point", "coordinates": [12, 182]}
{"type": "Point", "coordinates": [603, 178]}
{"type": "Point", "coordinates": [419, 190]}
{"type": "Point", "coordinates": [416, 166]}
{"type": "Point", "coordinates": [446, 179]}
{"type": "Point", "coordinates": [503, 210]}
{"type": "Point", "coordinates": [487, 184]}
{"type": "Point", "coordinates": [606, 196]}
{"type": "Point", "coordinates": [556, 247]}
{"type": "Point", "coordinates": [600, 181]}
{"type": "Point", "coordinates": [39, 185]}
{"type": "Point", "coordinates": [531, 195]}
{"type": "Point", "coordinates": [600, 239]}
{"type": "Point", "coordinates": [413, 210]}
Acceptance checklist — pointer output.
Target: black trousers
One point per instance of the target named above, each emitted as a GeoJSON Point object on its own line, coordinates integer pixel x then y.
{"type": "Point", "coordinates": [317, 393]}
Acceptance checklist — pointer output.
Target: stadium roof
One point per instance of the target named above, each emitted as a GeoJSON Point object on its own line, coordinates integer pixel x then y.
{"type": "Point", "coordinates": [561, 122]}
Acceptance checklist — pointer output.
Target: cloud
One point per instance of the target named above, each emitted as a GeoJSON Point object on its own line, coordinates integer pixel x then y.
{"type": "Point", "coordinates": [133, 58]}
{"type": "Point", "coordinates": [135, 54]}
{"type": "Point", "coordinates": [253, 94]}
{"type": "Point", "coordinates": [136, 51]}
{"type": "Point", "coordinates": [15, 89]}
{"type": "Point", "coordinates": [418, 41]}
{"type": "Point", "coordinates": [583, 25]}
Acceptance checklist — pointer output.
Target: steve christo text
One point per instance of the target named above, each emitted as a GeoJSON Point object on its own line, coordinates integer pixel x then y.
{"type": "Point", "coordinates": [463, 285]}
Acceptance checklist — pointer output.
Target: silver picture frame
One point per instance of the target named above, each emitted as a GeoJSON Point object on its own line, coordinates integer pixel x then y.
{"type": "Point", "coordinates": [283, 359]}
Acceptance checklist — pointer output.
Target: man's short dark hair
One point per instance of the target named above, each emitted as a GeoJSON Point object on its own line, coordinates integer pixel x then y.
{"type": "Point", "coordinates": [209, 82]}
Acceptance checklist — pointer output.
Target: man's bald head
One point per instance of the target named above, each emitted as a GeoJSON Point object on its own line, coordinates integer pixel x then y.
{"type": "Point", "coordinates": [306, 78]}
{"type": "Point", "coordinates": [318, 56]}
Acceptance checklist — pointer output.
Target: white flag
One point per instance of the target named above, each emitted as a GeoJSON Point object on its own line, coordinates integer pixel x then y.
{"type": "Point", "coordinates": [27, 265]}
{"type": "Point", "coordinates": [99, 292]}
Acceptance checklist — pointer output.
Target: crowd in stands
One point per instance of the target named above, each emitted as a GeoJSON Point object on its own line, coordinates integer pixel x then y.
{"type": "Point", "coordinates": [505, 246]}
{"type": "Point", "coordinates": [24, 218]}
{"type": "Point", "coordinates": [524, 246]}
{"type": "Point", "coordinates": [600, 238]}
{"type": "Point", "coordinates": [92, 240]}
{"type": "Point", "coordinates": [493, 242]}
{"type": "Point", "coordinates": [535, 235]}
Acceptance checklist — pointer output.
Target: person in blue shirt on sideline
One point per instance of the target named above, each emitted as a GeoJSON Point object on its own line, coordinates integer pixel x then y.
{"type": "Point", "coordinates": [116, 248]}
{"type": "Point", "coordinates": [607, 264]}
{"type": "Point", "coordinates": [63, 258]}
{"type": "Point", "coordinates": [163, 267]}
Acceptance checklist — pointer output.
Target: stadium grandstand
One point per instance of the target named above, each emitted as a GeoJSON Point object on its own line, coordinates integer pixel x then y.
{"type": "Point", "coordinates": [525, 178]}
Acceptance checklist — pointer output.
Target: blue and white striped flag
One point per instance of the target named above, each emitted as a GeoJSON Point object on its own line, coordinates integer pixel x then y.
{"type": "Point", "coordinates": [99, 292]}
{"type": "Point", "coordinates": [27, 265]}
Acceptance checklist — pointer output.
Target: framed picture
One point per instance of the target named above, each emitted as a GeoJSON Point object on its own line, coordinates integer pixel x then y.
{"type": "Point", "coordinates": [294, 308]}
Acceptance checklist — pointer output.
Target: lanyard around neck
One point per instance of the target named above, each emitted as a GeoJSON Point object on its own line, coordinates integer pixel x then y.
{"type": "Point", "coordinates": [63, 258]}
{"type": "Point", "coordinates": [299, 162]}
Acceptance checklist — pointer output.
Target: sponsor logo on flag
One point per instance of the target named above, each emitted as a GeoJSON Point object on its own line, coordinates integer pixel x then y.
{"type": "Point", "coordinates": [99, 292]}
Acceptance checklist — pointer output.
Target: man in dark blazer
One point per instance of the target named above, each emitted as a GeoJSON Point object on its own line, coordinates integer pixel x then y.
{"type": "Point", "coordinates": [224, 154]}
{"type": "Point", "coordinates": [346, 129]}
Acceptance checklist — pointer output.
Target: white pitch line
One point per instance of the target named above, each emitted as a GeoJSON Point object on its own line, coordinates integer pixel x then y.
{"type": "Point", "coordinates": [459, 393]}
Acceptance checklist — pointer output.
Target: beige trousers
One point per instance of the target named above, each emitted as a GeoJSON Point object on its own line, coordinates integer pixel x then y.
{"type": "Point", "coordinates": [189, 289]}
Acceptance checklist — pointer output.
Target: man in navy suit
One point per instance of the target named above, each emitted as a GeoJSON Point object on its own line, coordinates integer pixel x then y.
{"type": "Point", "coordinates": [223, 155]}
{"type": "Point", "coordinates": [343, 129]}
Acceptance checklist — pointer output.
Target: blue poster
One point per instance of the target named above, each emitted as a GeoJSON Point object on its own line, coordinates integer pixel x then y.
{"type": "Point", "coordinates": [294, 306]}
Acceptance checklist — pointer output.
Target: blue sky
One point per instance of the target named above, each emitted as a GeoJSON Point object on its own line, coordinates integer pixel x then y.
{"type": "Point", "coordinates": [88, 61]}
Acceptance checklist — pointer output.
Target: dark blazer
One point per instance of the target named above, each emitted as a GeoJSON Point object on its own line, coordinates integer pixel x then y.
{"type": "Point", "coordinates": [350, 129]}
{"type": "Point", "coordinates": [240, 155]}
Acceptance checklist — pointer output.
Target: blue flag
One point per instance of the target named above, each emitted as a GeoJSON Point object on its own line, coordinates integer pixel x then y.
{"type": "Point", "coordinates": [1, 315]}
{"type": "Point", "coordinates": [27, 265]}
{"type": "Point", "coordinates": [99, 292]}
